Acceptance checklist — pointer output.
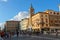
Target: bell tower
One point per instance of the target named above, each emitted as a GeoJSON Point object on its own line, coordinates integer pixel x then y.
{"type": "Point", "coordinates": [31, 12]}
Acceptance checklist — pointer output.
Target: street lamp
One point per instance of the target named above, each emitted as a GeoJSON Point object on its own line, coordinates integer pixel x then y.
{"type": "Point", "coordinates": [5, 30]}
{"type": "Point", "coordinates": [17, 29]}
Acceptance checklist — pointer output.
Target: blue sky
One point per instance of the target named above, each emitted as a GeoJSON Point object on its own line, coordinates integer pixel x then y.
{"type": "Point", "coordinates": [10, 8]}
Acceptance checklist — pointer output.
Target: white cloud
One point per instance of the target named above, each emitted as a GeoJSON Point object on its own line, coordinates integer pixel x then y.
{"type": "Point", "coordinates": [20, 15]}
{"type": "Point", "coordinates": [4, 0]}
{"type": "Point", "coordinates": [59, 8]}
{"type": "Point", "coordinates": [2, 25]}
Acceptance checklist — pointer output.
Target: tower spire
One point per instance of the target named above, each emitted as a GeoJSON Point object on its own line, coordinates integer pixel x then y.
{"type": "Point", "coordinates": [31, 6]}
{"type": "Point", "coordinates": [31, 10]}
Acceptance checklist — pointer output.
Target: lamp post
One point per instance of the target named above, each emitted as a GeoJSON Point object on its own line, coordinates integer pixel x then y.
{"type": "Point", "coordinates": [5, 30]}
{"type": "Point", "coordinates": [17, 29]}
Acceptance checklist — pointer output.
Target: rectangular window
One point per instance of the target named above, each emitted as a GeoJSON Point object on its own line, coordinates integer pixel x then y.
{"type": "Point", "coordinates": [54, 13]}
{"type": "Point", "coordinates": [41, 15]}
{"type": "Point", "coordinates": [46, 20]}
{"type": "Point", "coordinates": [59, 21]}
{"type": "Point", "coordinates": [51, 21]}
{"type": "Point", "coordinates": [50, 12]}
{"type": "Point", "coordinates": [55, 21]}
{"type": "Point", "coordinates": [46, 24]}
{"type": "Point", "coordinates": [45, 15]}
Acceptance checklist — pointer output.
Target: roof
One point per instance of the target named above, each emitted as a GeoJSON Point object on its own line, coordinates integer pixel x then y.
{"type": "Point", "coordinates": [12, 21]}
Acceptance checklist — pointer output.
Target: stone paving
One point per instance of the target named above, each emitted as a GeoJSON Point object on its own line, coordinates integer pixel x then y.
{"type": "Point", "coordinates": [33, 37]}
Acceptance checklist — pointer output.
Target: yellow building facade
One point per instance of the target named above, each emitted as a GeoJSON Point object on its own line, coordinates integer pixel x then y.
{"type": "Point", "coordinates": [46, 20]}
{"type": "Point", "coordinates": [40, 21]}
{"type": "Point", "coordinates": [24, 24]}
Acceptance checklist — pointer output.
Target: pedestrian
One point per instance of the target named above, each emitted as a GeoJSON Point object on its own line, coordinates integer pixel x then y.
{"type": "Point", "coordinates": [17, 34]}
{"type": "Point", "coordinates": [56, 33]}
